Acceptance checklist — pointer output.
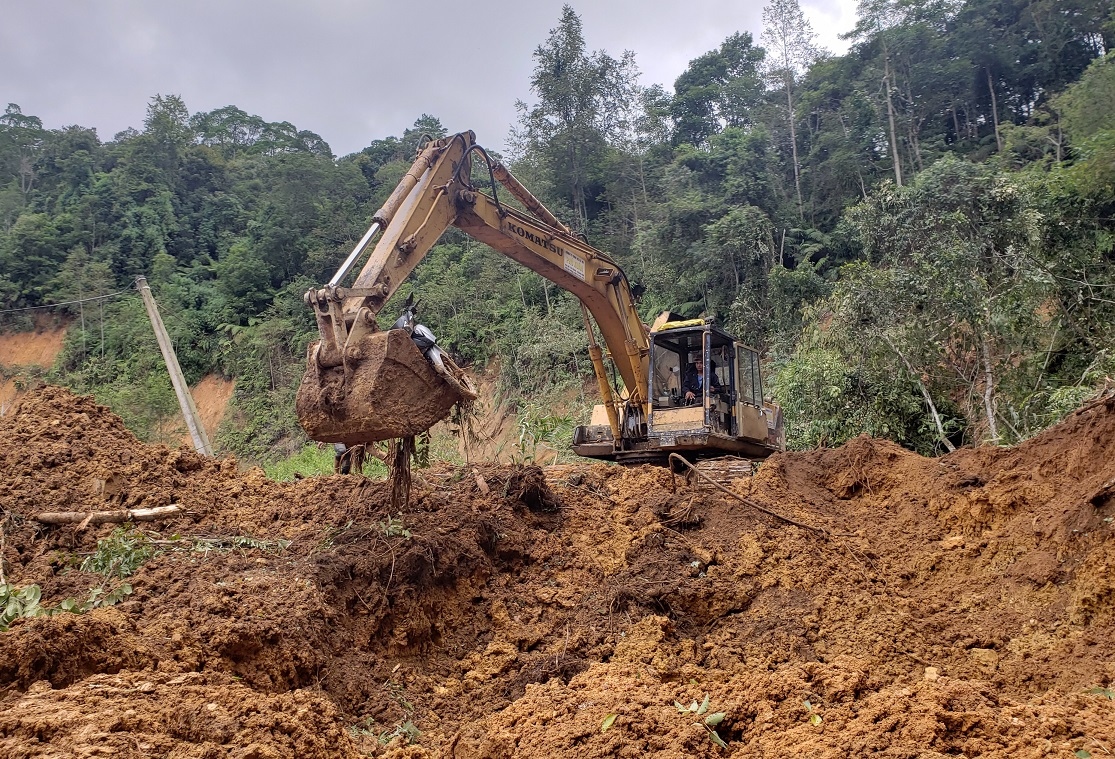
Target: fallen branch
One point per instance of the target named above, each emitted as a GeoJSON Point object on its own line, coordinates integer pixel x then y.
{"type": "Point", "coordinates": [102, 517]}
{"type": "Point", "coordinates": [756, 506]}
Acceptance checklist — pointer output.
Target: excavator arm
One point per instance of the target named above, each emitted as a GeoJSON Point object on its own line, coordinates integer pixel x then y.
{"type": "Point", "coordinates": [364, 384]}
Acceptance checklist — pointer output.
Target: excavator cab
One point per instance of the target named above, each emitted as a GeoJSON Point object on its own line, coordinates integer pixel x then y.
{"type": "Point", "coordinates": [727, 413]}
{"type": "Point", "coordinates": [726, 416]}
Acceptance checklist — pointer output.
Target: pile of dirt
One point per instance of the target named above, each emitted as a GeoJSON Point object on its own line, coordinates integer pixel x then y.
{"type": "Point", "coordinates": [895, 605]}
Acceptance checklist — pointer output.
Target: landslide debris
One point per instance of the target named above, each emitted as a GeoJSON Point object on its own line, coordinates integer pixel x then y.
{"type": "Point", "coordinates": [959, 606]}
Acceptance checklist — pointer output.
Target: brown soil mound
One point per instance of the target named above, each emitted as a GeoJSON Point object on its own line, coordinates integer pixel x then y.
{"type": "Point", "coordinates": [961, 606]}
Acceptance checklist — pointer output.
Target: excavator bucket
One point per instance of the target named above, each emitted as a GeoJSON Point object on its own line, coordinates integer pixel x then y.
{"type": "Point", "coordinates": [385, 389]}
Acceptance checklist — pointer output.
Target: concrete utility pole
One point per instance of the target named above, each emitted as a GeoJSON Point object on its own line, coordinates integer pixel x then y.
{"type": "Point", "coordinates": [181, 389]}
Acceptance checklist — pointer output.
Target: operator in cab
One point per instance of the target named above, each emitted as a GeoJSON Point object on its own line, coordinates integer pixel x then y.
{"type": "Point", "coordinates": [695, 379]}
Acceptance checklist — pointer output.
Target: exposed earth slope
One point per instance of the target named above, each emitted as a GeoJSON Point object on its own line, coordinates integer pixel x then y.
{"type": "Point", "coordinates": [960, 606]}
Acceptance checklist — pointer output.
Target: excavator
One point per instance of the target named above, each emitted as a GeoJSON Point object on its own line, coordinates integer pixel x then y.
{"type": "Point", "coordinates": [364, 384]}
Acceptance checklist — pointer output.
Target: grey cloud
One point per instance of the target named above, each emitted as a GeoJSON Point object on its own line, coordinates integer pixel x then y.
{"type": "Point", "coordinates": [350, 70]}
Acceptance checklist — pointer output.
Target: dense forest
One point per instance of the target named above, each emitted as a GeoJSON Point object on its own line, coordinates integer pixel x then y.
{"type": "Point", "coordinates": [918, 234]}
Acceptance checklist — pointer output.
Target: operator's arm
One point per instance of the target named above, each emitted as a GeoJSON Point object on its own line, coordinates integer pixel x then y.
{"type": "Point", "coordinates": [689, 387]}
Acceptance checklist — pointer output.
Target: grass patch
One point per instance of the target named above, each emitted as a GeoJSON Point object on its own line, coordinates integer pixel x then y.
{"type": "Point", "coordinates": [313, 461]}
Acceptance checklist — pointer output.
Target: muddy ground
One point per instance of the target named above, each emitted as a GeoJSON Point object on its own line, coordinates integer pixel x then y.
{"type": "Point", "coordinates": [960, 606]}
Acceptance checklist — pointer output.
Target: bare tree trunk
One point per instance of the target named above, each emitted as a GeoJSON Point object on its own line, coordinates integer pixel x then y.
{"type": "Point", "coordinates": [994, 111]}
{"type": "Point", "coordinates": [578, 190]}
{"type": "Point", "coordinates": [787, 81]}
{"type": "Point", "coordinates": [913, 129]}
{"type": "Point", "coordinates": [925, 395]}
{"type": "Point", "coordinates": [890, 117]}
{"type": "Point", "coordinates": [989, 391]}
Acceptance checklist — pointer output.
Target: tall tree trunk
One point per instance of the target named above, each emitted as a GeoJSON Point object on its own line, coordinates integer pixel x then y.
{"type": "Point", "coordinates": [912, 131]}
{"type": "Point", "coordinates": [859, 170]}
{"type": "Point", "coordinates": [787, 80]}
{"type": "Point", "coordinates": [579, 205]}
{"type": "Point", "coordinates": [890, 117]}
{"type": "Point", "coordinates": [994, 111]}
{"type": "Point", "coordinates": [989, 391]}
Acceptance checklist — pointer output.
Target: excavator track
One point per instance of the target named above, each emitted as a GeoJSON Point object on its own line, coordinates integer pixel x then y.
{"type": "Point", "coordinates": [723, 471]}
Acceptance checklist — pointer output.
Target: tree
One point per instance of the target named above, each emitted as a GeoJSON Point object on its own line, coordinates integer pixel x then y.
{"type": "Point", "coordinates": [961, 243]}
{"type": "Point", "coordinates": [876, 18]}
{"type": "Point", "coordinates": [167, 125]}
{"type": "Point", "coordinates": [568, 130]}
{"type": "Point", "coordinates": [426, 127]}
{"type": "Point", "coordinates": [719, 89]}
{"type": "Point", "coordinates": [789, 42]}
{"type": "Point", "coordinates": [20, 138]}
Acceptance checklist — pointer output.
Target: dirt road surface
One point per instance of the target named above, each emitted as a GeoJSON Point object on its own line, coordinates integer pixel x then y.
{"type": "Point", "coordinates": [959, 606]}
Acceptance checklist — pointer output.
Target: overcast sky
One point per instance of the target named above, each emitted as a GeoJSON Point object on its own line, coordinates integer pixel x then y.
{"type": "Point", "coordinates": [350, 70]}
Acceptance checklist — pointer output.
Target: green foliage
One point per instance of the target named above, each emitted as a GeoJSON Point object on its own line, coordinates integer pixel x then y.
{"type": "Point", "coordinates": [313, 460]}
{"type": "Point", "coordinates": [394, 527]}
{"type": "Point", "coordinates": [24, 603]}
{"type": "Point", "coordinates": [231, 543]}
{"type": "Point", "coordinates": [19, 603]}
{"type": "Point", "coordinates": [310, 461]}
{"type": "Point", "coordinates": [405, 730]}
{"type": "Point", "coordinates": [708, 722]}
{"type": "Point", "coordinates": [120, 554]}
{"type": "Point", "coordinates": [540, 427]}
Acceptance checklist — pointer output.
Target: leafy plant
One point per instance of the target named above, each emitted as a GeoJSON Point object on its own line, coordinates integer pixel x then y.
{"type": "Point", "coordinates": [205, 545]}
{"type": "Point", "coordinates": [19, 603]}
{"type": "Point", "coordinates": [538, 426]}
{"type": "Point", "coordinates": [814, 718]}
{"type": "Point", "coordinates": [120, 554]}
{"type": "Point", "coordinates": [96, 600]}
{"type": "Point", "coordinates": [365, 727]}
{"type": "Point", "coordinates": [23, 603]}
{"type": "Point", "coordinates": [393, 527]}
{"type": "Point", "coordinates": [709, 722]}
{"type": "Point", "coordinates": [1108, 693]}
{"type": "Point", "coordinates": [405, 729]}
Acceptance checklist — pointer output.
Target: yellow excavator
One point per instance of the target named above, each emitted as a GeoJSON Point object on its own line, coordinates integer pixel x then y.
{"type": "Point", "coordinates": [364, 384]}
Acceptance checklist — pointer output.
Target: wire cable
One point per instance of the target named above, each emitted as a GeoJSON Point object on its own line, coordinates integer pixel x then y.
{"type": "Point", "coordinates": [68, 302]}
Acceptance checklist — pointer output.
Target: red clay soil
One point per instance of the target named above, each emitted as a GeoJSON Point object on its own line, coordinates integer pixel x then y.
{"type": "Point", "coordinates": [24, 355]}
{"type": "Point", "coordinates": [959, 606]}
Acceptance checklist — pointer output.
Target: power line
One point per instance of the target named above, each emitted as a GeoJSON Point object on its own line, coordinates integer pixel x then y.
{"type": "Point", "coordinates": [68, 302]}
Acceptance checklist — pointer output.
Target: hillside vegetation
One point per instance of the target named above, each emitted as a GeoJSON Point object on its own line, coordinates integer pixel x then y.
{"type": "Point", "coordinates": [918, 233]}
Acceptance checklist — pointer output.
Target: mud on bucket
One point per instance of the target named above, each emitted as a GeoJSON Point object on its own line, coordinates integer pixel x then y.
{"type": "Point", "coordinates": [390, 391]}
